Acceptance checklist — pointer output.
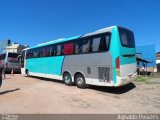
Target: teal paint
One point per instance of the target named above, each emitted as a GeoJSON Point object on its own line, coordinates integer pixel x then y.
{"type": "Point", "coordinates": [114, 50]}
{"type": "Point", "coordinates": [47, 65]}
{"type": "Point", "coordinates": [124, 60]}
{"type": "Point", "coordinates": [127, 51]}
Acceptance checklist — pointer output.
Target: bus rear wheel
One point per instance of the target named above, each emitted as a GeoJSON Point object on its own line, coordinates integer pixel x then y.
{"type": "Point", "coordinates": [67, 79]}
{"type": "Point", "coordinates": [80, 81]}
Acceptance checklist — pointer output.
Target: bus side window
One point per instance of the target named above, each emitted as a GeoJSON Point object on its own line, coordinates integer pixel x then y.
{"type": "Point", "coordinates": [47, 51]}
{"type": "Point", "coordinates": [58, 51]}
{"type": "Point", "coordinates": [68, 49]}
{"type": "Point", "coordinates": [31, 54]}
{"type": "Point", "coordinates": [41, 52]}
{"type": "Point", "coordinates": [107, 41]}
{"type": "Point", "coordinates": [78, 46]}
{"type": "Point", "coordinates": [50, 51]}
{"type": "Point", "coordinates": [102, 46]}
{"type": "Point", "coordinates": [62, 49]}
{"type": "Point", "coordinates": [86, 46]}
{"type": "Point", "coordinates": [34, 53]}
{"type": "Point", "coordinates": [54, 50]}
{"type": "Point", "coordinates": [95, 44]}
{"type": "Point", "coordinates": [38, 52]}
{"type": "Point", "coordinates": [104, 43]}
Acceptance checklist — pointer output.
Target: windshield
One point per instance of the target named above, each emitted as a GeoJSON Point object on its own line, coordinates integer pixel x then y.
{"type": "Point", "coordinates": [127, 38]}
{"type": "Point", "coordinates": [12, 57]}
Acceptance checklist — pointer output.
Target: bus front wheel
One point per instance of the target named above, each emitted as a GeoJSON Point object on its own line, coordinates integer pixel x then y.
{"type": "Point", "coordinates": [80, 81]}
{"type": "Point", "coordinates": [67, 79]}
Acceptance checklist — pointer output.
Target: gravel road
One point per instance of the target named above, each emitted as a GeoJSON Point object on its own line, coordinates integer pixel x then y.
{"type": "Point", "coordinates": [20, 94]}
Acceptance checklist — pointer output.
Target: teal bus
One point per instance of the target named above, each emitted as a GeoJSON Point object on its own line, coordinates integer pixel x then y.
{"type": "Point", "coordinates": [106, 57]}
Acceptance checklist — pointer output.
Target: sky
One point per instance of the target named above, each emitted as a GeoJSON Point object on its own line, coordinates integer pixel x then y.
{"type": "Point", "coordinates": [32, 22]}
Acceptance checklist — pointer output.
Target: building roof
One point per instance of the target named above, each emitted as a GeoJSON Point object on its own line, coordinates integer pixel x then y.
{"type": "Point", "coordinates": [143, 60]}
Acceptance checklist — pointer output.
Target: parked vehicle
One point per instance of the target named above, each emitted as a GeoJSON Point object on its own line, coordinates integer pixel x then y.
{"type": "Point", "coordinates": [10, 62]}
{"type": "Point", "coordinates": [106, 57]}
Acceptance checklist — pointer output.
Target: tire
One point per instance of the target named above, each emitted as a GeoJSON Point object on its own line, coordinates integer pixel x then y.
{"type": "Point", "coordinates": [67, 79]}
{"type": "Point", "coordinates": [80, 81]}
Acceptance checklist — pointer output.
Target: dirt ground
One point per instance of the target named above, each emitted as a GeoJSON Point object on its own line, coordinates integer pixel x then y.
{"type": "Point", "coordinates": [20, 94]}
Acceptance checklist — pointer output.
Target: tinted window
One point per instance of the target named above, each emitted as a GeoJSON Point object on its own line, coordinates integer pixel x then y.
{"type": "Point", "coordinates": [86, 46]}
{"type": "Point", "coordinates": [53, 50]}
{"type": "Point", "coordinates": [58, 50]}
{"type": "Point", "coordinates": [78, 46]}
{"type": "Point", "coordinates": [43, 52]}
{"type": "Point", "coordinates": [127, 38]}
{"type": "Point", "coordinates": [29, 54]}
{"type": "Point", "coordinates": [101, 43]}
{"type": "Point", "coordinates": [47, 51]}
{"type": "Point", "coordinates": [98, 43]}
{"type": "Point", "coordinates": [95, 44]}
{"type": "Point", "coordinates": [14, 55]}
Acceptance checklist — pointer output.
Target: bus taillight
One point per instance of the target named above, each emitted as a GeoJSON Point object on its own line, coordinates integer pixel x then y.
{"type": "Point", "coordinates": [118, 63]}
{"type": "Point", "coordinates": [118, 66]}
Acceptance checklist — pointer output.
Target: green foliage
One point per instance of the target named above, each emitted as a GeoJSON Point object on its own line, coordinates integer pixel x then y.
{"type": "Point", "coordinates": [141, 79]}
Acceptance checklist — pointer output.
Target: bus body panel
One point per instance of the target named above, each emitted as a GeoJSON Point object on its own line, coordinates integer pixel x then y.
{"type": "Point", "coordinates": [46, 65]}
{"type": "Point", "coordinates": [114, 51]}
{"type": "Point", "coordinates": [128, 65]}
{"type": "Point", "coordinates": [92, 66]}
{"type": "Point", "coordinates": [125, 71]}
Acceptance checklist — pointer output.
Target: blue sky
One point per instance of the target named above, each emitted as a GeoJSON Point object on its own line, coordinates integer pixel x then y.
{"type": "Point", "coordinates": [35, 21]}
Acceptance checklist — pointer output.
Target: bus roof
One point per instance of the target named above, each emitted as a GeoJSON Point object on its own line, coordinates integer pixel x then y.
{"type": "Point", "coordinates": [56, 41]}
{"type": "Point", "coordinates": [107, 29]}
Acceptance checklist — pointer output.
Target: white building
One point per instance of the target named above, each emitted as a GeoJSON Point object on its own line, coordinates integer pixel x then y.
{"type": "Point", "coordinates": [15, 48]}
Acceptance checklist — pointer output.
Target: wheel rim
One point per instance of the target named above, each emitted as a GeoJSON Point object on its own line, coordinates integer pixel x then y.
{"type": "Point", "coordinates": [80, 81]}
{"type": "Point", "coordinates": [67, 79]}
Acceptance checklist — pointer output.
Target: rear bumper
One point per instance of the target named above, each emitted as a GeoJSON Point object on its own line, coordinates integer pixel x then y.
{"type": "Point", "coordinates": [125, 80]}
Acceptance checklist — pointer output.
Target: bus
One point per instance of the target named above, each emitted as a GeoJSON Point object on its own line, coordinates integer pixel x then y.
{"type": "Point", "coordinates": [10, 61]}
{"type": "Point", "coordinates": [106, 57]}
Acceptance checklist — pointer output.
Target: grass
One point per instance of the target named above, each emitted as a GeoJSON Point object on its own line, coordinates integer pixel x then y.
{"type": "Point", "coordinates": [147, 79]}
{"type": "Point", "coordinates": [141, 79]}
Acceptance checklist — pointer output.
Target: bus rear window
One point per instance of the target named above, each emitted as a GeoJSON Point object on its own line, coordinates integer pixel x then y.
{"type": "Point", "coordinates": [127, 38]}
